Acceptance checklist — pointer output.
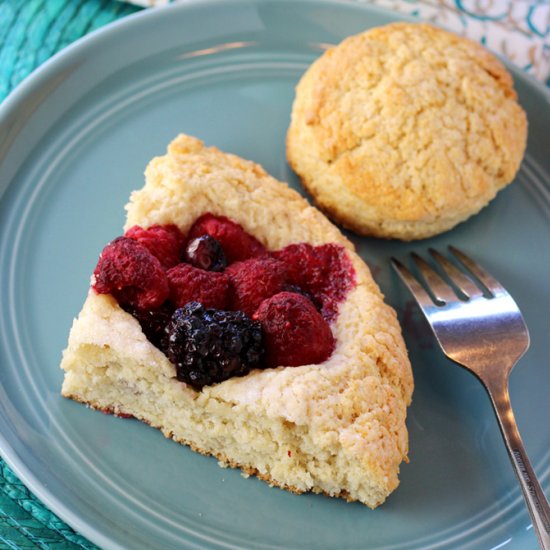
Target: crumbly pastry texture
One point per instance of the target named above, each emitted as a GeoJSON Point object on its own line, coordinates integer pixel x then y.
{"type": "Point", "coordinates": [337, 427]}
{"type": "Point", "coordinates": [405, 130]}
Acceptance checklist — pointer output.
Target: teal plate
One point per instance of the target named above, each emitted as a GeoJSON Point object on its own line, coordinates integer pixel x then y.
{"type": "Point", "coordinates": [74, 140]}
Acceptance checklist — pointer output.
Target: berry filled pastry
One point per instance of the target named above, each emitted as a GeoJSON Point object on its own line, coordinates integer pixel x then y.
{"type": "Point", "coordinates": [237, 319]}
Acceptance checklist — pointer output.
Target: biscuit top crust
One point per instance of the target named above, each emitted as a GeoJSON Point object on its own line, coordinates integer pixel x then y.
{"type": "Point", "coordinates": [413, 119]}
{"type": "Point", "coordinates": [192, 179]}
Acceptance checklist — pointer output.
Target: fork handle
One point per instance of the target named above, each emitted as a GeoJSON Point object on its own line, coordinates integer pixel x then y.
{"type": "Point", "coordinates": [537, 503]}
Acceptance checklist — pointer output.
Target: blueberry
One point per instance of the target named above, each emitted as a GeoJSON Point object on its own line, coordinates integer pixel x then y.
{"type": "Point", "coordinates": [205, 252]}
{"type": "Point", "coordinates": [210, 345]}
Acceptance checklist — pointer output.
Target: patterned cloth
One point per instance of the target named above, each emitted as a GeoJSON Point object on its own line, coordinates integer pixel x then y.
{"type": "Point", "coordinates": [516, 29]}
{"type": "Point", "coordinates": [31, 31]}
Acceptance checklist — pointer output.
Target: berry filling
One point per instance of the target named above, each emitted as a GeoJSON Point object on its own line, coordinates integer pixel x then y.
{"type": "Point", "coordinates": [165, 242]}
{"type": "Point", "coordinates": [191, 284]}
{"type": "Point", "coordinates": [153, 321]}
{"type": "Point", "coordinates": [294, 331]}
{"type": "Point", "coordinates": [325, 272]}
{"type": "Point", "coordinates": [128, 271]}
{"type": "Point", "coordinates": [209, 346]}
{"type": "Point", "coordinates": [218, 304]}
{"type": "Point", "coordinates": [207, 253]}
{"type": "Point", "coordinates": [255, 280]}
{"type": "Point", "coordinates": [237, 244]}
{"type": "Point", "coordinates": [297, 290]}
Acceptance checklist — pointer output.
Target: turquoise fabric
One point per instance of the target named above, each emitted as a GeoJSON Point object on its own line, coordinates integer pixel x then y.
{"type": "Point", "coordinates": [27, 523]}
{"type": "Point", "coordinates": [31, 31]}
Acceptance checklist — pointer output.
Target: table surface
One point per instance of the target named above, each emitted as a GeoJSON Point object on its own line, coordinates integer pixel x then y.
{"type": "Point", "coordinates": [32, 31]}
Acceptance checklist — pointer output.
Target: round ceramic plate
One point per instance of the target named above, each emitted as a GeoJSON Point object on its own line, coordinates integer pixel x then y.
{"type": "Point", "coordinates": [74, 141]}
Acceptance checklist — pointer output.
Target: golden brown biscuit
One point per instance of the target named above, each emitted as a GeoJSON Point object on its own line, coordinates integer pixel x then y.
{"type": "Point", "coordinates": [404, 131]}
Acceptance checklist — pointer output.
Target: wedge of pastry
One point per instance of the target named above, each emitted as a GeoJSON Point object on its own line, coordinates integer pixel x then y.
{"type": "Point", "coordinates": [263, 339]}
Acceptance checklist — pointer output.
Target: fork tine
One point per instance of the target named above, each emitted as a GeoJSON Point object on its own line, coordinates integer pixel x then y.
{"type": "Point", "coordinates": [483, 276]}
{"type": "Point", "coordinates": [440, 289]}
{"type": "Point", "coordinates": [421, 296]}
{"type": "Point", "coordinates": [464, 283]}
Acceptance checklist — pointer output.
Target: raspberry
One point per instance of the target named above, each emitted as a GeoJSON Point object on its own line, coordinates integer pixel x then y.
{"type": "Point", "coordinates": [295, 288]}
{"type": "Point", "coordinates": [325, 271]}
{"type": "Point", "coordinates": [191, 284]}
{"type": "Point", "coordinates": [254, 280]}
{"type": "Point", "coordinates": [237, 244]}
{"type": "Point", "coordinates": [128, 271]}
{"type": "Point", "coordinates": [294, 332]}
{"type": "Point", "coordinates": [208, 345]}
{"type": "Point", "coordinates": [165, 242]}
{"type": "Point", "coordinates": [153, 322]}
{"type": "Point", "coordinates": [207, 253]}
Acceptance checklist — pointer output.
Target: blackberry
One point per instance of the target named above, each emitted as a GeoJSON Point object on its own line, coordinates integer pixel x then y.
{"type": "Point", "coordinates": [153, 322]}
{"type": "Point", "coordinates": [212, 345]}
{"type": "Point", "coordinates": [206, 252]}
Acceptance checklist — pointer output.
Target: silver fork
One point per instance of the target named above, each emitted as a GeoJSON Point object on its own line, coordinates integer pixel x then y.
{"type": "Point", "coordinates": [482, 330]}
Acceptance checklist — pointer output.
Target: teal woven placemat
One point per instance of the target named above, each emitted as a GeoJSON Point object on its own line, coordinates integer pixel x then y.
{"type": "Point", "coordinates": [26, 523]}
{"type": "Point", "coordinates": [31, 31]}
